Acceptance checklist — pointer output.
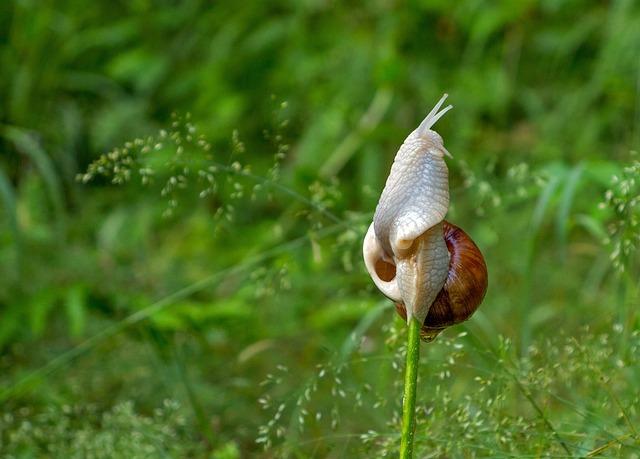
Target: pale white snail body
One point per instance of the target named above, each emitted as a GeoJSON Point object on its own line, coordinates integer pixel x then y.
{"type": "Point", "coordinates": [405, 250]}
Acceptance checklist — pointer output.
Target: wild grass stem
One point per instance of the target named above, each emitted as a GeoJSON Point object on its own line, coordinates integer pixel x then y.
{"type": "Point", "coordinates": [410, 384]}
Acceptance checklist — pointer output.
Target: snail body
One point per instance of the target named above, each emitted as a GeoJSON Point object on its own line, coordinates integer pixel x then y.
{"type": "Point", "coordinates": [428, 266]}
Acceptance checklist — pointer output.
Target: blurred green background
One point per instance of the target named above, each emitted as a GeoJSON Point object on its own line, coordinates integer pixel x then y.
{"type": "Point", "coordinates": [199, 290]}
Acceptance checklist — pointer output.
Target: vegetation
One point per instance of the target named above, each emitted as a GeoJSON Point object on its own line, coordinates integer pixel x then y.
{"type": "Point", "coordinates": [184, 189]}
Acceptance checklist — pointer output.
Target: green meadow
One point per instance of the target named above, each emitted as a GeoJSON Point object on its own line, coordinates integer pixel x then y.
{"type": "Point", "coordinates": [184, 191]}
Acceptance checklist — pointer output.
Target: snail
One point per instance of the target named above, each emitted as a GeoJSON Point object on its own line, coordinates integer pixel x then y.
{"type": "Point", "coordinates": [429, 267]}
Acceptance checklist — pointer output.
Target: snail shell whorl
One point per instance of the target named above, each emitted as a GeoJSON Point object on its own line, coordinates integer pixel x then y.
{"type": "Point", "coordinates": [464, 288]}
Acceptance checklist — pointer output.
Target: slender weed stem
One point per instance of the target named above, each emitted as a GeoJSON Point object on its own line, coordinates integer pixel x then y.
{"type": "Point", "coordinates": [410, 383]}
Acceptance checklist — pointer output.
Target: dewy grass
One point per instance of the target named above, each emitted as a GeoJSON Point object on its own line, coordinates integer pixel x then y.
{"type": "Point", "coordinates": [542, 90]}
{"type": "Point", "coordinates": [485, 399]}
{"type": "Point", "coordinates": [31, 380]}
{"type": "Point", "coordinates": [490, 419]}
{"type": "Point", "coordinates": [135, 159]}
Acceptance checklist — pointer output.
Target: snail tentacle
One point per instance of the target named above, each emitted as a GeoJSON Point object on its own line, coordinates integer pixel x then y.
{"type": "Point", "coordinates": [434, 115]}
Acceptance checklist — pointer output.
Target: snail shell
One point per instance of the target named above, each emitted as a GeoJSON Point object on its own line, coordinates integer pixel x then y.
{"type": "Point", "coordinates": [464, 288]}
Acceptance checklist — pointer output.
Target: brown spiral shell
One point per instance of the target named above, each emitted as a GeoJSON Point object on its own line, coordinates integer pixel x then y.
{"type": "Point", "coordinates": [464, 288]}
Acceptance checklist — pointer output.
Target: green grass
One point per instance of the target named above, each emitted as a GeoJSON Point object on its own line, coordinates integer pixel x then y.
{"type": "Point", "coordinates": [184, 189]}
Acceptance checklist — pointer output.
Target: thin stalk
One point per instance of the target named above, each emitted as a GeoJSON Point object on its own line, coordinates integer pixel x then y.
{"type": "Point", "coordinates": [410, 383]}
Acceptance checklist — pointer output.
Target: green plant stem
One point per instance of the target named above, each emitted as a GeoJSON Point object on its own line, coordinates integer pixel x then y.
{"type": "Point", "coordinates": [410, 383]}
